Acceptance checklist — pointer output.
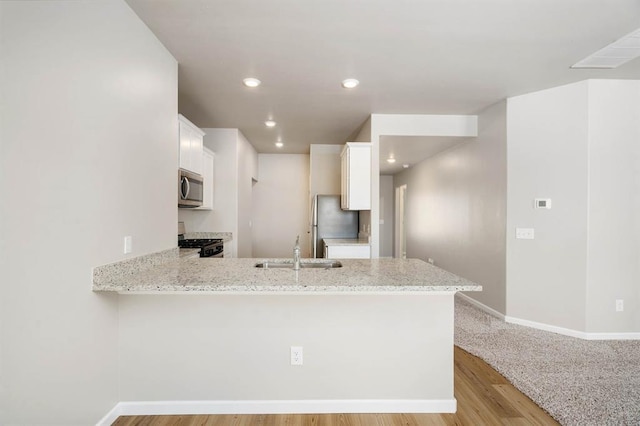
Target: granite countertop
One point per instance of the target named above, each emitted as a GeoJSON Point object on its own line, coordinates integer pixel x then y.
{"type": "Point", "coordinates": [346, 241]}
{"type": "Point", "coordinates": [225, 236]}
{"type": "Point", "coordinates": [167, 273]}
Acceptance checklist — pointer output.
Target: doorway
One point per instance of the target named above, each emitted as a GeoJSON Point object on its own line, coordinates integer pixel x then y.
{"type": "Point", "coordinates": [400, 220]}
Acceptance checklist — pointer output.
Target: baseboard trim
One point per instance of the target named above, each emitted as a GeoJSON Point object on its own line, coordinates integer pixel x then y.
{"type": "Point", "coordinates": [573, 333]}
{"type": "Point", "coordinates": [140, 408]}
{"type": "Point", "coordinates": [546, 327]}
{"type": "Point", "coordinates": [481, 306]}
{"type": "Point", "coordinates": [613, 336]}
{"type": "Point", "coordinates": [111, 416]}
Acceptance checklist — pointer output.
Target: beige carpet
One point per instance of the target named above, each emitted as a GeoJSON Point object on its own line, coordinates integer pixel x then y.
{"type": "Point", "coordinates": [578, 382]}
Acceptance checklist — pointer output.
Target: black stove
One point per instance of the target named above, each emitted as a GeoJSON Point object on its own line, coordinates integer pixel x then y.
{"type": "Point", "coordinates": [209, 247]}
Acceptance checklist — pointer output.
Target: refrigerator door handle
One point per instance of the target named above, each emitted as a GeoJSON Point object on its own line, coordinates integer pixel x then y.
{"type": "Point", "coordinates": [314, 237]}
{"type": "Point", "coordinates": [314, 226]}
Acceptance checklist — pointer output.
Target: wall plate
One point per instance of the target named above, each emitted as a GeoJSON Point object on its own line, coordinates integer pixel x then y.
{"type": "Point", "coordinates": [525, 233]}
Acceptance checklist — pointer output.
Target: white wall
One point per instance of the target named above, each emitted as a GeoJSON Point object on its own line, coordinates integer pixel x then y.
{"type": "Point", "coordinates": [578, 145]}
{"type": "Point", "coordinates": [387, 201]}
{"type": "Point", "coordinates": [325, 169]}
{"type": "Point", "coordinates": [456, 208]}
{"type": "Point", "coordinates": [230, 347]}
{"type": "Point", "coordinates": [613, 255]}
{"type": "Point", "coordinates": [247, 175]}
{"type": "Point", "coordinates": [547, 158]}
{"type": "Point", "coordinates": [88, 107]}
{"type": "Point", "coordinates": [280, 205]}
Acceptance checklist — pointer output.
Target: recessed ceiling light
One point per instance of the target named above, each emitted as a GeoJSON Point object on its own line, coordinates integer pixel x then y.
{"type": "Point", "coordinates": [270, 123]}
{"type": "Point", "coordinates": [279, 144]}
{"type": "Point", "coordinates": [406, 166]}
{"type": "Point", "coordinates": [251, 82]}
{"type": "Point", "coordinates": [350, 83]}
{"type": "Point", "coordinates": [612, 56]}
{"type": "Point", "coordinates": [391, 160]}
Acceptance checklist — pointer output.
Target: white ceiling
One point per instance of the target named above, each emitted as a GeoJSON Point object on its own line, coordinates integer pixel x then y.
{"type": "Point", "coordinates": [411, 56]}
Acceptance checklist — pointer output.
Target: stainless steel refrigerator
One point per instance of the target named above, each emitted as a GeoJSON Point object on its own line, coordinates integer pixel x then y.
{"type": "Point", "coordinates": [329, 221]}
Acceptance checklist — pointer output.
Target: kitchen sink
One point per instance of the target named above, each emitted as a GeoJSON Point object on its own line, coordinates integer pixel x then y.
{"type": "Point", "coordinates": [287, 264]}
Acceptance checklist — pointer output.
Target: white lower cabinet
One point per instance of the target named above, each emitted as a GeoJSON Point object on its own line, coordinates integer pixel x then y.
{"type": "Point", "coordinates": [347, 251]}
{"type": "Point", "coordinates": [208, 177]}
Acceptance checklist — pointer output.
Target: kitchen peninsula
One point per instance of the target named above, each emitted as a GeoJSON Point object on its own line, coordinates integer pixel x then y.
{"type": "Point", "coordinates": [215, 335]}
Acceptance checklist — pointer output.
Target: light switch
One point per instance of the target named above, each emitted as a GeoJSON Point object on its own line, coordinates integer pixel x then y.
{"type": "Point", "coordinates": [525, 233]}
{"type": "Point", "coordinates": [542, 203]}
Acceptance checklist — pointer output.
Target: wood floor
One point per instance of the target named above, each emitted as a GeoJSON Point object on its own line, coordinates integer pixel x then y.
{"type": "Point", "coordinates": [484, 398]}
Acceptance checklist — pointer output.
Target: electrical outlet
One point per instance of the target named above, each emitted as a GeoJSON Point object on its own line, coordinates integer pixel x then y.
{"type": "Point", "coordinates": [296, 355]}
{"type": "Point", "coordinates": [619, 305]}
{"type": "Point", "coordinates": [127, 244]}
{"type": "Point", "coordinates": [525, 233]}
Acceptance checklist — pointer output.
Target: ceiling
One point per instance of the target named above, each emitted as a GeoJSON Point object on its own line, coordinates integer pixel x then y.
{"type": "Point", "coordinates": [411, 57]}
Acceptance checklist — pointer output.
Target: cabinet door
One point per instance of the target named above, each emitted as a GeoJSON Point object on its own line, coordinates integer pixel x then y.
{"type": "Point", "coordinates": [208, 177]}
{"type": "Point", "coordinates": [348, 252]}
{"type": "Point", "coordinates": [196, 152]}
{"type": "Point", "coordinates": [356, 177]}
{"type": "Point", "coordinates": [190, 142]}
{"type": "Point", "coordinates": [185, 146]}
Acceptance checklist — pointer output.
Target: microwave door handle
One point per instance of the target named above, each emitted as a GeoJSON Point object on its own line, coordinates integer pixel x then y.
{"type": "Point", "coordinates": [185, 194]}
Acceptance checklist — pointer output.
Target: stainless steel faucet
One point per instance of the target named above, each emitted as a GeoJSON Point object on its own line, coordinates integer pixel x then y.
{"type": "Point", "coordinates": [296, 255]}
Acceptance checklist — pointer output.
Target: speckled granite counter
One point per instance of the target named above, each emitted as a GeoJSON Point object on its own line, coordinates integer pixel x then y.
{"type": "Point", "coordinates": [224, 236]}
{"type": "Point", "coordinates": [214, 275]}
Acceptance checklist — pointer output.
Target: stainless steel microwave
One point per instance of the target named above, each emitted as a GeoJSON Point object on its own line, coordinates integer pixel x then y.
{"type": "Point", "coordinates": [190, 189]}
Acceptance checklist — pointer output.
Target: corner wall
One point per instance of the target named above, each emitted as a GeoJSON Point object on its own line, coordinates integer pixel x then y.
{"type": "Point", "coordinates": [280, 207]}
{"type": "Point", "coordinates": [613, 254]}
{"type": "Point", "coordinates": [456, 208]}
{"type": "Point", "coordinates": [88, 155]}
{"type": "Point", "coordinates": [547, 158]}
{"type": "Point", "coordinates": [578, 146]}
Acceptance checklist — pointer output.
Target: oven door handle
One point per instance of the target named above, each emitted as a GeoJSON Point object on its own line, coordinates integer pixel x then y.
{"type": "Point", "coordinates": [185, 181]}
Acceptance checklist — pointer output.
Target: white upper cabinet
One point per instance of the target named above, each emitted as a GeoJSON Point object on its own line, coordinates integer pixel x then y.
{"type": "Point", "coordinates": [208, 178]}
{"type": "Point", "coordinates": [356, 176]}
{"type": "Point", "coordinates": [190, 142]}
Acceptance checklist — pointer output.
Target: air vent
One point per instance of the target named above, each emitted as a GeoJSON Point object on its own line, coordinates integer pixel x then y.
{"type": "Point", "coordinates": [617, 53]}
